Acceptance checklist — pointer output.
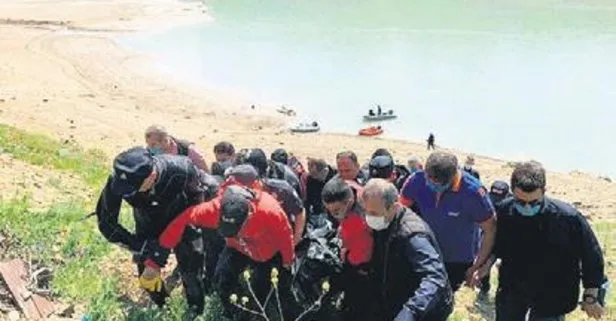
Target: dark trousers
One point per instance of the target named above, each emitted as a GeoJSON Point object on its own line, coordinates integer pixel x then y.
{"type": "Point", "coordinates": [485, 284]}
{"type": "Point", "coordinates": [196, 254]}
{"type": "Point", "coordinates": [456, 273]}
{"type": "Point", "coordinates": [360, 294]}
{"type": "Point", "coordinates": [512, 306]}
{"type": "Point", "coordinates": [229, 279]}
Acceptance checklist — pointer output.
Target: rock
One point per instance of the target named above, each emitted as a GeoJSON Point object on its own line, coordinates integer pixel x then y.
{"type": "Point", "coordinates": [605, 178]}
{"type": "Point", "coordinates": [45, 100]}
{"type": "Point", "coordinates": [64, 152]}
{"type": "Point", "coordinates": [71, 121]}
{"type": "Point", "coordinates": [13, 316]}
{"type": "Point", "coordinates": [65, 310]}
{"type": "Point", "coordinates": [215, 130]}
{"type": "Point", "coordinates": [13, 98]}
{"type": "Point", "coordinates": [2, 100]}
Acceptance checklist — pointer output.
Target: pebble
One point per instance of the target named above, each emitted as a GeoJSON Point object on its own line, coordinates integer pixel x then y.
{"type": "Point", "coordinates": [13, 316]}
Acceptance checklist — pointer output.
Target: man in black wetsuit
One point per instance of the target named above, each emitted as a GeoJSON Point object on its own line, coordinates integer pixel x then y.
{"type": "Point", "coordinates": [159, 188]}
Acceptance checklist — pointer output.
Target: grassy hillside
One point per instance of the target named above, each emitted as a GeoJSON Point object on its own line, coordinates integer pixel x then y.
{"type": "Point", "coordinates": [87, 269]}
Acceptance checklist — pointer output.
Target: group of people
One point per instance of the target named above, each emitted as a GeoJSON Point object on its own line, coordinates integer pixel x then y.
{"type": "Point", "coordinates": [408, 235]}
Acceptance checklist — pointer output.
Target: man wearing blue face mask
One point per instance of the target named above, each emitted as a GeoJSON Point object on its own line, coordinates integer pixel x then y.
{"type": "Point", "coordinates": [453, 203]}
{"type": "Point", "coordinates": [546, 247]}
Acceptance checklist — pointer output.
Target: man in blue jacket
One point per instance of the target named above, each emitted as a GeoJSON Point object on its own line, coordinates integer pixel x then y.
{"type": "Point", "coordinates": [408, 269]}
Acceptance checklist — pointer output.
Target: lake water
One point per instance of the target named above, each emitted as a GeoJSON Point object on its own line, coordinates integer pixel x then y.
{"type": "Point", "coordinates": [511, 79]}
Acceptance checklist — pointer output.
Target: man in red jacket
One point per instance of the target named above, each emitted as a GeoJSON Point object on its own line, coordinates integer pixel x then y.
{"type": "Point", "coordinates": [256, 231]}
{"type": "Point", "coordinates": [340, 199]}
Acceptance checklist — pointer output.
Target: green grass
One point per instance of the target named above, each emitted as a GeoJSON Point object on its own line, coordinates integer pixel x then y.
{"type": "Point", "coordinates": [41, 150]}
{"type": "Point", "coordinates": [61, 240]}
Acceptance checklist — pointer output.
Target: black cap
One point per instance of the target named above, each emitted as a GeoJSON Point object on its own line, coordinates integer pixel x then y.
{"type": "Point", "coordinates": [255, 157]}
{"type": "Point", "coordinates": [499, 190]}
{"type": "Point", "coordinates": [234, 209]}
{"type": "Point", "coordinates": [130, 169]}
{"type": "Point", "coordinates": [381, 167]}
{"type": "Point", "coordinates": [245, 174]}
{"type": "Point", "coordinates": [381, 152]}
{"type": "Point", "coordinates": [281, 156]}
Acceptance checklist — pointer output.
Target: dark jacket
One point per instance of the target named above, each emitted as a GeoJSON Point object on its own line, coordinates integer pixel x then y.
{"type": "Point", "coordinates": [409, 272]}
{"type": "Point", "coordinates": [284, 172]}
{"type": "Point", "coordinates": [288, 198]}
{"type": "Point", "coordinates": [472, 171]}
{"type": "Point", "coordinates": [314, 188]}
{"type": "Point", "coordinates": [179, 185]}
{"type": "Point", "coordinates": [543, 257]}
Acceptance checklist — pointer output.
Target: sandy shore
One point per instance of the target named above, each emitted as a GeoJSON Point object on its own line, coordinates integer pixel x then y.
{"type": "Point", "coordinates": [61, 73]}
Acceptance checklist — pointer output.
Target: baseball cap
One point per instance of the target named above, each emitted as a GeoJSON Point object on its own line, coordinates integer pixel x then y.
{"type": "Point", "coordinates": [381, 167]}
{"type": "Point", "coordinates": [234, 210]}
{"type": "Point", "coordinates": [280, 155]}
{"type": "Point", "coordinates": [130, 168]}
{"type": "Point", "coordinates": [499, 189]}
{"type": "Point", "coordinates": [244, 174]}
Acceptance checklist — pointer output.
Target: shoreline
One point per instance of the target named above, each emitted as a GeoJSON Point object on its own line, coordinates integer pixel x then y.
{"type": "Point", "coordinates": [66, 76]}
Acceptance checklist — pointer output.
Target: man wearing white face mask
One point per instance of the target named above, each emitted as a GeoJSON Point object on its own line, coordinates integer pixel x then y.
{"type": "Point", "coordinates": [407, 265]}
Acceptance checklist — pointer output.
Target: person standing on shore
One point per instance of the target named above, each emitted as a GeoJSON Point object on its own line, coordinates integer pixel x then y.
{"type": "Point", "coordinates": [431, 141]}
{"type": "Point", "coordinates": [453, 202]}
{"type": "Point", "coordinates": [546, 248]}
{"type": "Point", "coordinates": [160, 142]}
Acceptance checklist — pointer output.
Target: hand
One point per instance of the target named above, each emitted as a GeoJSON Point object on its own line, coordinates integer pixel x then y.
{"type": "Point", "coordinates": [153, 251]}
{"type": "Point", "coordinates": [405, 315]}
{"type": "Point", "coordinates": [472, 275]}
{"type": "Point", "coordinates": [593, 310]}
{"type": "Point", "coordinates": [151, 280]}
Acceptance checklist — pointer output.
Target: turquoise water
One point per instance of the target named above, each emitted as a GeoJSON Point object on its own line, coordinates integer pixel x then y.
{"type": "Point", "coordinates": [513, 79]}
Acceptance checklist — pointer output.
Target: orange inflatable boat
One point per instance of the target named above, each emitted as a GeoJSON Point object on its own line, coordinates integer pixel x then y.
{"type": "Point", "coordinates": [371, 131]}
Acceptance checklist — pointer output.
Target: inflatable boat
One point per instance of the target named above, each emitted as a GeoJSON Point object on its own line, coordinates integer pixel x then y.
{"type": "Point", "coordinates": [371, 131]}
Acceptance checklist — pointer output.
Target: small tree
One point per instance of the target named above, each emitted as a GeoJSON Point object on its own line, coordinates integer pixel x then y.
{"type": "Point", "coordinates": [242, 303]}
